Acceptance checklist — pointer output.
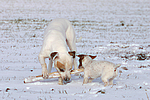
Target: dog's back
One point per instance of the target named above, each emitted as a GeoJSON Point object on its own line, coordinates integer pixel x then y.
{"type": "Point", "coordinates": [60, 25]}
{"type": "Point", "coordinates": [55, 36]}
{"type": "Point", "coordinates": [97, 68]}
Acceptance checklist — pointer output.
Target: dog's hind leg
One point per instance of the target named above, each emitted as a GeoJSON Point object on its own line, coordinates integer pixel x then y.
{"type": "Point", "coordinates": [105, 80]}
{"type": "Point", "coordinates": [111, 81]}
{"type": "Point", "coordinates": [72, 47]}
{"type": "Point", "coordinates": [75, 63]}
{"type": "Point", "coordinates": [71, 42]}
{"type": "Point", "coordinates": [50, 65]}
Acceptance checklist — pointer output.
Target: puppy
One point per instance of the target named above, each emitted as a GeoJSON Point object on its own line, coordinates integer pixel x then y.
{"type": "Point", "coordinates": [94, 69]}
{"type": "Point", "coordinates": [57, 36]}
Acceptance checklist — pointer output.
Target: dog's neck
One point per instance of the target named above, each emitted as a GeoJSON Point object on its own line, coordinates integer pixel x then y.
{"type": "Point", "coordinates": [62, 48]}
{"type": "Point", "coordinates": [86, 61]}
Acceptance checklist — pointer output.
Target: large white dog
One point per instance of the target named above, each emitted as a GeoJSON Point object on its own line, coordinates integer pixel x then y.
{"type": "Point", "coordinates": [57, 36]}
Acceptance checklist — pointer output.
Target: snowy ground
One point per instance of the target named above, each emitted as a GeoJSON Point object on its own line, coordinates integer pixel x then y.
{"type": "Point", "coordinates": [114, 30]}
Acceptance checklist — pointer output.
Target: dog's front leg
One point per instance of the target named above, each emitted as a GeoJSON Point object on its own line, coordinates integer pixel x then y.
{"type": "Point", "coordinates": [44, 71]}
{"type": "Point", "coordinates": [44, 66]}
{"type": "Point", "coordinates": [60, 81]}
{"type": "Point", "coordinates": [90, 80]}
{"type": "Point", "coordinates": [85, 81]}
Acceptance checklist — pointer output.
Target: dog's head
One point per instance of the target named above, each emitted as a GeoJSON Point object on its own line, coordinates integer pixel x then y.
{"type": "Point", "coordinates": [63, 63]}
{"type": "Point", "coordinates": [82, 58]}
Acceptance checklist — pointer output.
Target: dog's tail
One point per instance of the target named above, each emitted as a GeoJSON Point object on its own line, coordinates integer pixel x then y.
{"type": "Point", "coordinates": [116, 66]}
{"type": "Point", "coordinates": [79, 39]}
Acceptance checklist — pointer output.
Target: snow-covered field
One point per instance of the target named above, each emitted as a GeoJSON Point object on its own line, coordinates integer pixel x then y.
{"type": "Point", "coordinates": [114, 30]}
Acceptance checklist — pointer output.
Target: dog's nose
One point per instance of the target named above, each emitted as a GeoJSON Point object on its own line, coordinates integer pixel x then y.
{"type": "Point", "coordinates": [66, 79]}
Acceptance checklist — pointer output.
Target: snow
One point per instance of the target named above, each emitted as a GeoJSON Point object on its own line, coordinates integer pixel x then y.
{"type": "Point", "coordinates": [114, 30]}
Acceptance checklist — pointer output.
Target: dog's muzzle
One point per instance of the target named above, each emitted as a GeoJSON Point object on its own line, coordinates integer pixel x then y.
{"type": "Point", "coordinates": [66, 79]}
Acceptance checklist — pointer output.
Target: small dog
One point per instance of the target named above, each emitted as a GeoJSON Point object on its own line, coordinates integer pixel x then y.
{"type": "Point", "coordinates": [57, 36]}
{"type": "Point", "coordinates": [94, 69]}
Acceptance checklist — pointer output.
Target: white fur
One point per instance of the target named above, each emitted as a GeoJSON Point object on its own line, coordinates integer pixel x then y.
{"type": "Point", "coordinates": [57, 36]}
{"type": "Point", "coordinates": [94, 69]}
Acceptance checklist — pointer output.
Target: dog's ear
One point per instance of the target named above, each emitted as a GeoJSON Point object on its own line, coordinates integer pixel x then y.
{"type": "Point", "coordinates": [81, 56]}
{"type": "Point", "coordinates": [53, 54]}
{"type": "Point", "coordinates": [60, 65]}
{"type": "Point", "coordinates": [92, 56]}
{"type": "Point", "coordinates": [72, 53]}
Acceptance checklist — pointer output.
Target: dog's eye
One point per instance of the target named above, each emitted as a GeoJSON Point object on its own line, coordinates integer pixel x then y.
{"type": "Point", "coordinates": [71, 70]}
{"type": "Point", "coordinates": [62, 70]}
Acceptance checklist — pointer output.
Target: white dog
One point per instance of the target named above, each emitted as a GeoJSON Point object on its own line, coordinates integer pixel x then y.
{"type": "Point", "coordinates": [94, 69]}
{"type": "Point", "coordinates": [57, 36]}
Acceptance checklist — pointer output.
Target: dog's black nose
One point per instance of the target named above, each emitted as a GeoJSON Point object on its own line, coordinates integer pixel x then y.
{"type": "Point", "coordinates": [66, 79]}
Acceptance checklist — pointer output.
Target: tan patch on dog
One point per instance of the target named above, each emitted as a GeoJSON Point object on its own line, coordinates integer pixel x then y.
{"type": "Point", "coordinates": [60, 65]}
{"type": "Point", "coordinates": [92, 56]}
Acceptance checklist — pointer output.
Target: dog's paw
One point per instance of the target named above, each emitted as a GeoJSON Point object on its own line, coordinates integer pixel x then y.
{"type": "Point", "coordinates": [106, 84]}
{"type": "Point", "coordinates": [60, 83]}
{"type": "Point", "coordinates": [45, 74]}
{"type": "Point", "coordinates": [110, 83]}
{"type": "Point", "coordinates": [85, 82]}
